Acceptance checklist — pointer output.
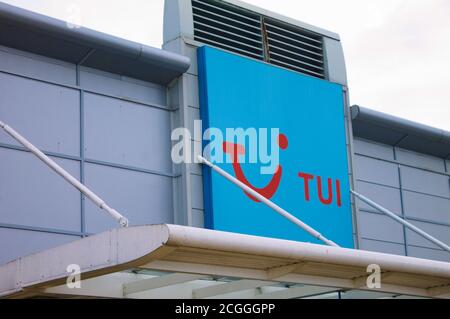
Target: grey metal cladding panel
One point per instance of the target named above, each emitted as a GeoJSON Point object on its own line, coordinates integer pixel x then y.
{"type": "Point", "coordinates": [192, 89]}
{"type": "Point", "coordinates": [173, 99]}
{"type": "Point", "coordinates": [373, 149]}
{"type": "Point", "coordinates": [25, 243]}
{"type": "Point", "coordinates": [198, 218]}
{"type": "Point", "coordinates": [385, 196]}
{"type": "Point", "coordinates": [127, 133]}
{"type": "Point", "coordinates": [196, 169]}
{"type": "Point", "coordinates": [33, 195]}
{"type": "Point", "coordinates": [143, 198]}
{"type": "Point", "coordinates": [420, 160]}
{"type": "Point", "coordinates": [425, 182]}
{"type": "Point", "coordinates": [191, 52]}
{"type": "Point", "coordinates": [27, 64]}
{"type": "Point", "coordinates": [47, 115]}
{"type": "Point", "coordinates": [193, 115]}
{"type": "Point", "coordinates": [376, 171]}
{"type": "Point", "coordinates": [197, 191]}
{"type": "Point", "coordinates": [440, 232]}
{"type": "Point", "coordinates": [380, 227]}
{"type": "Point", "coordinates": [431, 254]}
{"type": "Point", "coordinates": [426, 207]}
{"type": "Point", "coordinates": [335, 61]}
{"type": "Point", "coordinates": [124, 87]}
{"type": "Point", "coordinates": [382, 247]}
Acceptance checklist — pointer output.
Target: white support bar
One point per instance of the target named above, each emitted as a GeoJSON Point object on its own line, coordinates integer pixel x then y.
{"type": "Point", "coordinates": [269, 203]}
{"type": "Point", "coordinates": [401, 221]}
{"type": "Point", "coordinates": [229, 287]}
{"type": "Point", "coordinates": [297, 292]}
{"type": "Point", "coordinates": [123, 222]}
{"type": "Point", "coordinates": [159, 282]}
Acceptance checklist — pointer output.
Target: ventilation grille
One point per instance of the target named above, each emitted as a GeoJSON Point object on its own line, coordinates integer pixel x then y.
{"type": "Point", "coordinates": [240, 31]}
{"type": "Point", "coordinates": [228, 28]}
{"type": "Point", "coordinates": [295, 49]}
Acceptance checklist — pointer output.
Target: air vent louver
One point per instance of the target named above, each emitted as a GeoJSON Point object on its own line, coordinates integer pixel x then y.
{"type": "Point", "coordinates": [295, 49]}
{"type": "Point", "coordinates": [237, 30]}
{"type": "Point", "coordinates": [228, 28]}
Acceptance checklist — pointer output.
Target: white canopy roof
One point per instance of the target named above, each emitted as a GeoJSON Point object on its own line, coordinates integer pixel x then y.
{"type": "Point", "coordinates": [146, 261]}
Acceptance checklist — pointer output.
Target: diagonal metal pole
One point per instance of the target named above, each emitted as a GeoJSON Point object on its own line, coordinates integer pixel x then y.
{"type": "Point", "coordinates": [123, 222]}
{"type": "Point", "coordinates": [401, 221]}
{"type": "Point", "coordinates": [267, 202]}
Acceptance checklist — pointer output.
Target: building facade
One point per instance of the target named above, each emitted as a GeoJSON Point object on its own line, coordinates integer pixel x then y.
{"type": "Point", "coordinates": [104, 109]}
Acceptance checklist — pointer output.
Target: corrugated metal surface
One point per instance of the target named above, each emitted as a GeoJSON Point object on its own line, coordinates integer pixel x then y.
{"type": "Point", "coordinates": [240, 31]}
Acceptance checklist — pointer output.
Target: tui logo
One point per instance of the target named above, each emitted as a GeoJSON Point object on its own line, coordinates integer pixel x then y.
{"type": "Point", "coordinates": [333, 186]}
{"type": "Point", "coordinates": [236, 150]}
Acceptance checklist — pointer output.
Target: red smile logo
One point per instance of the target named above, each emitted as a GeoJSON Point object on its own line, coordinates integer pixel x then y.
{"type": "Point", "coordinates": [236, 150]}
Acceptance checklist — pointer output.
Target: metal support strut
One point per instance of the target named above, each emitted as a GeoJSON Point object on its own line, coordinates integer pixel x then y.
{"type": "Point", "coordinates": [269, 203]}
{"type": "Point", "coordinates": [401, 221]}
{"type": "Point", "coordinates": [123, 222]}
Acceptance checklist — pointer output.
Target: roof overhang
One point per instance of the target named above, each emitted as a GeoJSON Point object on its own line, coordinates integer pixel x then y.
{"type": "Point", "coordinates": [395, 131]}
{"type": "Point", "coordinates": [191, 254]}
{"type": "Point", "coordinates": [39, 34]}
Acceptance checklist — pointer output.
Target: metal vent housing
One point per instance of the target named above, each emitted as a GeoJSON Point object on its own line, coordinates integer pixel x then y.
{"type": "Point", "coordinates": [244, 32]}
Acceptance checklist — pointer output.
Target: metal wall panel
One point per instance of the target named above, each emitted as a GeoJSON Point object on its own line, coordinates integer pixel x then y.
{"type": "Point", "coordinates": [121, 86]}
{"type": "Point", "coordinates": [380, 227]}
{"type": "Point", "coordinates": [335, 61]}
{"type": "Point", "coordinates": [425, 182]}
{"type": "Point", "coordinates": [376, 171]}
{"type": "Point", "coordinates": [440, 232]}
{"type": "Point", "coordinates": [425, 253]}
{"type": "Point", "coordinates": [192, 86]}
{"type": "Point", "coordinates": [428, 207]}
{"type": "Point", "coordinates": [16, 243]}
{"type": "Point", "coordinates": [127, 133]}
{"type": "Point", "coordinates": [420, 160]}
{"type": "Point", "coordinates": [386, 196]}
{"type": "Point", "coordinates": [421, 194]}
{"type": "Point", "coordinates": [383, 247]}
{"type": "Point", "coordinates": [35, 66]}
{"type": "Point", "coordinates": [198, 218]}
{"type": "Point", "coordinates": [143, 198]}
{"type": "Point", "coordinates": [111, 132]}
{"type": "Point", "coordinates": [39, 110]}
{"type": "Point", "coordinates": [193, 115]}
{"type": "Point", "coordinates": [197, 191]}
{"type": "Point", "coordinates": [33, 195]}
{"type": "Point", "coordinates": [373, 149]}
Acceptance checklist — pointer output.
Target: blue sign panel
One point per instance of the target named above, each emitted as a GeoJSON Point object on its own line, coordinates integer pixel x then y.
{"type": "Point", "coordinates": [297, 117]}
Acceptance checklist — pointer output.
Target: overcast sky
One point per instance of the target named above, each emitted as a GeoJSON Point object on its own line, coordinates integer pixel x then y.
{"type": "Point", "coordinates": [397, 51]}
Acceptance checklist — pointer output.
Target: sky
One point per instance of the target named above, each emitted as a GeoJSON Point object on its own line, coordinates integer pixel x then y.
{"type": "Point", "coordinates": [397, 51]}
